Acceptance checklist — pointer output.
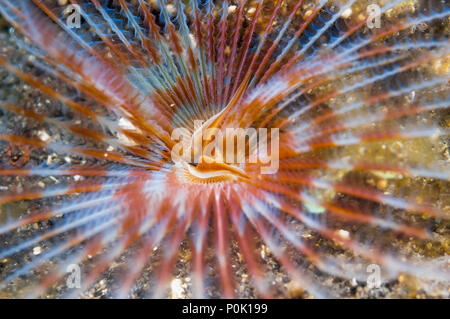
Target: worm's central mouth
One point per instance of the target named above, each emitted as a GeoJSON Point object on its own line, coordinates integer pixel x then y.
{"type": "Point", "coordinates": [210, 171]}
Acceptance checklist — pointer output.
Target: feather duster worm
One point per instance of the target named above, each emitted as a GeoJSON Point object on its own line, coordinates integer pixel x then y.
{"type": "Point", "coordinates": [92, 92]}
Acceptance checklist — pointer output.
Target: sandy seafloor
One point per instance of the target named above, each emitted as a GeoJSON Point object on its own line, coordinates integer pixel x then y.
{"type": "Point", "coordinates": [404, 286]}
